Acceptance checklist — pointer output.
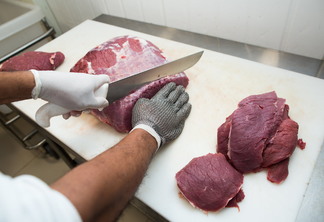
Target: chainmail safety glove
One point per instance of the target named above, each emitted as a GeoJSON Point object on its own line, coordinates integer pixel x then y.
{"type": "Point", "coordinates": [164, 115]}
{"type": "Point", "coordinates": [66, 92]}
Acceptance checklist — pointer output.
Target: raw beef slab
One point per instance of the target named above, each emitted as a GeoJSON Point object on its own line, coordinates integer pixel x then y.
{"type": "Point", "coordinates": [259, 134]}
{"type": "Point", "coordinates": [254, 121]}
{"type": "Point", "coordinates": [33, 60]}
{"type": "Point", "coordinates": [121, 57]}
{"type": "Point", "coordinates": [210, 183]}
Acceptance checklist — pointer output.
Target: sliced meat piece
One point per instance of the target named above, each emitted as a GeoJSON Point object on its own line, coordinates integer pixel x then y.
{"type": "Point", "coordinates": [260, 134]}
{"type": "Point", "coordinates": [209, 182]}
{"type": "Point", "coordinates": [33, 60]}
{"type": "Point", "coordinates": [121, 57]}
{"type": "Point", "coordinates": [238, 198]}
{"type": "Point", "coordinates": [282, 145]}
{"type": "Point", "coordinates": [277, 173]}
{"type": "Point", "coordinates": [254, 122]}
{"type": "Point", "coordinates": [223, 136]}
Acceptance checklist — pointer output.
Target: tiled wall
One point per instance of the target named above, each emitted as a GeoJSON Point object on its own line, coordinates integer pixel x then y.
{"type": "Point", "coordinates": [295, 26]}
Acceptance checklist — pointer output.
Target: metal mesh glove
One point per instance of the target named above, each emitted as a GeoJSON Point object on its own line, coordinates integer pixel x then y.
{"type": "Point", "coordinates": [165, 112]}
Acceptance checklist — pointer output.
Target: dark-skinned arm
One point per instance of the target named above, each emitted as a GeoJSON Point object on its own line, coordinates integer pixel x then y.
{"type": "Point", "coordinates": [101, 188]}
{"type": "Point", "coordinates": [15, 86]}
{"type": "Point", "coordinates": [107, 182]}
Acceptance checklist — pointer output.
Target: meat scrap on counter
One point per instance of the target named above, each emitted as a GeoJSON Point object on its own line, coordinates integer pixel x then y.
{"type": "Point", "coordinates": [258, 135]}
{"type": "Point", "coordinates": [33, 60]}
{"type": "Point", "coordinates": [121, 57]}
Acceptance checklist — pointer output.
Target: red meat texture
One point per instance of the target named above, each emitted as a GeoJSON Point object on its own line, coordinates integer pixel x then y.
{"type": "Point", "coordinates": [210, 183]}
{"type": "Point", "coordinates": [33, 60]}
{"type": "Point", "coordinates": [119, 58]}
{"type": "Point", "coordinates": [278, 172]}
{"type": "Point", "coordinates": [259, 134]}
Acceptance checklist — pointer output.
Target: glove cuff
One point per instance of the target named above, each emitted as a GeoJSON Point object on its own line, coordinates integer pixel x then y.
{"type": "Point", "coordinates": [38, 84]}
{"type": "Point", "coordinates": [151, 131]}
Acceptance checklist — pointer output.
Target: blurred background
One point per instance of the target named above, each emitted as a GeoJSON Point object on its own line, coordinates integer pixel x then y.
{"type": "Point", "coordinates": [295, 26]}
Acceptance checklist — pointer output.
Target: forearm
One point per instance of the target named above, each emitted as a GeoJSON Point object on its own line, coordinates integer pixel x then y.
{"type": "Point", "coordinates": [110, 179]}
{"type": "Point", "coordinates": [15, 86]}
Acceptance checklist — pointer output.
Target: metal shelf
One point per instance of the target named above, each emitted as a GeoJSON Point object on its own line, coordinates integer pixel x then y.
{"type": "Point", "coordinates": [49, 33]}
{"type": "Point", "coordinates": [30, 137]}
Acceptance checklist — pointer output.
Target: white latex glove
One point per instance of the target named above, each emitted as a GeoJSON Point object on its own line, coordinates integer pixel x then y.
{"type": "Point", "coordinates": [67, 92]}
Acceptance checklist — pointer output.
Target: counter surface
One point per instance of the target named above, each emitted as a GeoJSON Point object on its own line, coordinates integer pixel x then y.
{"type": "Point", "coordinates": [217, 83]}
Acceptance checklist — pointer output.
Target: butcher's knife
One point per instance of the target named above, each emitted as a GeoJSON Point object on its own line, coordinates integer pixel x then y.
{"type": "Point", "coordinates": [123, 87]}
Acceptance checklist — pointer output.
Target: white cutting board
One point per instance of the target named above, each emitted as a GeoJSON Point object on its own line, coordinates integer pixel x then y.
{"type": "Point", "coordinates": [217, 83]}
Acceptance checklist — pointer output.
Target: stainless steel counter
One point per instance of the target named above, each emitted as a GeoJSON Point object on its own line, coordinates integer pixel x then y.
{"type": "Point", "coordinates": [312, 208]}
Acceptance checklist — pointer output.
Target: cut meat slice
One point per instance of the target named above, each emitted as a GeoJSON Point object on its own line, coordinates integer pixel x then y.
{"type": "Point", "coordinates": [223, 136]}
{"type": "Point", "coordinates": [238, 198]}
{"type": "Point", "coordinates": [282, 145]}
{"type": "Point", "coordinates": [33, 60]}
{"type": "Point", "coordinates": [277, 173]}
{"type": "Point", "coordinates": [252, 125]}
{"type": "Point", "coordinates": [209, 182]}
{"type": "Point", "coordinates": [259, 134]}
{"type": "Point", "coordinates": [121, 57]}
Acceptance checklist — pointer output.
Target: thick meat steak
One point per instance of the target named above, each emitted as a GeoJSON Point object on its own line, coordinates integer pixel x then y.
{"type": "Point", "coordinates": [33, 60]}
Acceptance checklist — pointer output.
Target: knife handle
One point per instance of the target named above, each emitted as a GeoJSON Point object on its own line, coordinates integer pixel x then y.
{"type": "Point", "coordinates": [49, 110]}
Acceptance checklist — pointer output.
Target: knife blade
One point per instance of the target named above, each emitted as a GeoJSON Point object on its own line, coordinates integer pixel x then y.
{"type": "Point", "coordinates": [123, 87]}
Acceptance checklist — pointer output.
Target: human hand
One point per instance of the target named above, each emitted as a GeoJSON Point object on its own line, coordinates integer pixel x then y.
{"type": "Point", "coordinates": [73, 91]}
{"type": "Point", "coordinates": [68, 92]}
{"type": "Point", "coordinates": [165, 113]}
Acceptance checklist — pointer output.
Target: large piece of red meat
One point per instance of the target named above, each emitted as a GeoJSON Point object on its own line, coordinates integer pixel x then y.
{"type": "Point", "coordinates": [33, 60]}
{"type": "Point", "coordinates": [259, 134]}
{"type": "Point", "coordinates": [121, 57]}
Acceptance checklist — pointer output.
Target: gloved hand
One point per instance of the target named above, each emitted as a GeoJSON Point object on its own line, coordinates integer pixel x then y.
{"type": "Point", "coordinates": [164, 115]}
{"type": "Point", "coordinates": [73, 91]}
{"type": "Point", "coordinates": [66, 92]}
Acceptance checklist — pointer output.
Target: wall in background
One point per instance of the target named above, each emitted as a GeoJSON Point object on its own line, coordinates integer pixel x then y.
{"type": "Point", "coordinates": [27, 1]}
{"type": "Point", "coordinates": [295, 26]}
